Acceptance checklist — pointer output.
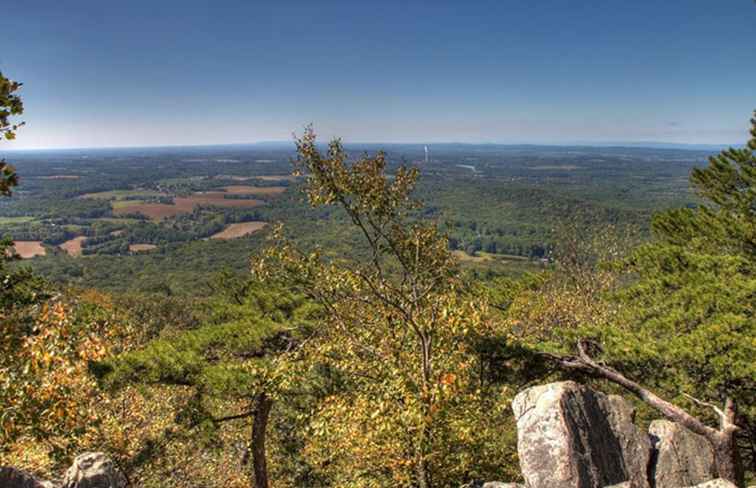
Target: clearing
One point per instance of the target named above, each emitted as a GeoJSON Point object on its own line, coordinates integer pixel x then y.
{"type": "Point", "coordinates": [232, 231]}
{"type": "Point", "coordinates": [276, 177]}
{"type": "Point", "coordinates": [554, 167]}
{"type": "Point", "coordinates": [73, 246]}
{"type": "Point", "coordinates": [482, 257]}
{"type": "Point", "coordinates": [254, 190]}
{"type": "Point", "coordinates": [141, 247]}
{"type": "Point", "coordinates": [15, 220]}
{"type": "Point", "coordinates": [157, 211]}
{"type": "Point", "coordinates": [123, 194]}
{"type": "Point", "coordinates": [29, 249]}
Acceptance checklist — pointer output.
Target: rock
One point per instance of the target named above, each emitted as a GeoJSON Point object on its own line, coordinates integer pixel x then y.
{"type": "Point", "coordinates": [716, 483]}
{"type": "Point", "coordinates": [569, 436]}
{"type": "Point", "coordinates": [635, 446]}
{"type": "Point", "coordinates": [681, 458]}
{"type": "Point", "coordinates": [492, 484]}
{"type": "Point", "coordinates": [16, 478]}
{"type": "Point", "coordinates": [93, 470]}
{"type": "Point", "coordinates": [624, 484]}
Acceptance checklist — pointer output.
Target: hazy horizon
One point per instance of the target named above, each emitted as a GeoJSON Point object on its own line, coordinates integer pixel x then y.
{"type": "Point", "coordinates": [352, 144]}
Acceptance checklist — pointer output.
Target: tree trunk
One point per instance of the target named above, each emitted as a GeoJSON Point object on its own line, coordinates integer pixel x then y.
{"type": "Point", "coordinates": [727, 458]}
{"type": "Point", "coordinates": [423, 473]}
{"type": "Point", "coordinates": [263, 405]}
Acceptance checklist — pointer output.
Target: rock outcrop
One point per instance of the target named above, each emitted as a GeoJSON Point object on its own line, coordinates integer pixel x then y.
{"type": "Point", "coordinates": [492, 484]}
{"type": "Point", "coordinates": [681, 458]}
{"type": "Point", "coordinates": [93, 470]}
{"type": "Point", "coordinates": [569, 436]}
{"type": "Point", "coordinates": [716, 483]}
{"type": "Point", "coordinates": [16, 478]}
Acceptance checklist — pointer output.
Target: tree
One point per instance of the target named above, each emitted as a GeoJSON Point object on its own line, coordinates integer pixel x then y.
{"type": "Point", "coordinates": [236, 360]}
{"type": "Point", "coordinates": [399, 330]}
{"type": "Point", "coordinates": [20, 287]}
{"type": "Point", "coordinates": [688, 322]}
{"type": "Point", "coordinates": [10, 105]}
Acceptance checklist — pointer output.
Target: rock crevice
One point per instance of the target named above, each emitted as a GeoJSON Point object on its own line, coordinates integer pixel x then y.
{"type": "Point", "coordinates": [571, 436]}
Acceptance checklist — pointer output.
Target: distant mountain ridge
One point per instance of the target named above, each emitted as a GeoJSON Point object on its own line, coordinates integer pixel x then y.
{"type": "Point", "coordinates": [447, 145]}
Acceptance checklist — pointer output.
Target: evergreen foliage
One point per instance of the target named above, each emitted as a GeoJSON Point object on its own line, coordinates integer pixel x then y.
{"type": "Point", "coordinates": [237, 359]}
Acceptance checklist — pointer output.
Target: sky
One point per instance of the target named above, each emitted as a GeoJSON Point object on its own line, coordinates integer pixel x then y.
{"type": "Point", "coordinates": [180, 72]}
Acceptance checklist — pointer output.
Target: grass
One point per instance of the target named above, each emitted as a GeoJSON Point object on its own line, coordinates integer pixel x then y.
{"type": "Point", "coordinates": [126, 203]}
{"type": "Point", "coordinates": [122, 194]}
{"type": "Point", "coordinates": [15, 220]}
{"type": "Point", "coordinates": [482, 257]}
{"type": "Point", "coordinates": [232, 231]}
{"type": "Point", "coordinates": [117, 220]}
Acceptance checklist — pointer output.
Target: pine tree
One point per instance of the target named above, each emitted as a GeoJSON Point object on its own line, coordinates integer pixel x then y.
{"type": "Point", "coordinates": [238, 357]}
{"type": "Point", "coordinates": [688, 327]}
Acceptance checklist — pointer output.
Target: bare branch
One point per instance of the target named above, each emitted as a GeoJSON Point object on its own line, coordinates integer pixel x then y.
{"type": "Point", "coordinates": [707, 404]}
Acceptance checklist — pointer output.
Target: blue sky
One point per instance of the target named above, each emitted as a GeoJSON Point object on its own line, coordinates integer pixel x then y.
{"type": "Point", "coordinates": [101, 73]}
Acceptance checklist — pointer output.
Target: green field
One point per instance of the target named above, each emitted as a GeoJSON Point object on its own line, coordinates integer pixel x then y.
{"type": "Point", "coordinates": [123, 194]}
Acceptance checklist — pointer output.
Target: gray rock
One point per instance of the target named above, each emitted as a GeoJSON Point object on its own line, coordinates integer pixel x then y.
{"type": "Point", "coordinates": [93, 470]}
{"type": "Point", "coordinates": [624, 484]}
{"type": "Point", "coordinates": [716, 483]}
{"type": "Point", "coordinates": [569, 436]}
{"type": "Point", "coordinates": [682, 458]}
{"type": "Point", "coordinates": [492, 484]}
{"type": "Point", "coordinates": [16, 478]}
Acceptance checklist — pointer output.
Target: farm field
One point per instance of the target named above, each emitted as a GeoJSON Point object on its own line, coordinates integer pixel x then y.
{"type": "Point", "coordinates": [60, 177]}
{"type": "Point", "coordinates": [74, 246]}
{"type": "Point", "coordinates": [181, 205]}
{"type": "Point", "coordinates": [233, 231]}
{"type": "Point", "coordinates": [254, 190]}
{"type": "Point", "coordinates": [259, 177]}
{"type": "Point", "coordinates": [141, 247]}
{"type": "Point", "coordinates": [29, 249]}
{"type": "Point", "coordinates": [123, 194]}
{"type": "Point", "coordinates": [15, 220]}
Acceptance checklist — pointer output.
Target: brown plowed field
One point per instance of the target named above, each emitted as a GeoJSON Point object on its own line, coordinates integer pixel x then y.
{"type": "Point", "coordinates": [29, 249]}
{"type": "Point", "coordinates": [157, 211]}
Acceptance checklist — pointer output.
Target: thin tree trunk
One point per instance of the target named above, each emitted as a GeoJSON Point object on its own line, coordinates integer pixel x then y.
{"type": "Point", "coordinates": [722, 440]}
{"type": "Point", "coordinates": [727, 459]}
{"type": "Point", "coordinates": [263, 405]}
{"type": "Point", "coordinates": [423, 473]}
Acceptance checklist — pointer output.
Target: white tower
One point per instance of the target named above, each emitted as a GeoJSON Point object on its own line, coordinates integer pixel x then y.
{"type": "Point", "coordinates": [426, 154]}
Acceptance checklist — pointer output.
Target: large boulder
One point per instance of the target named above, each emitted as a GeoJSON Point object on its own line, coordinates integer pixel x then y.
{"type": "Point", "coordinates": [93, 470]}
{"type": "Point", "coordinates": [16, 478]}
{"type": "Point", "coordinates": [716, 483]}
{"type": "Point", "coordinates": [569, 436]}
{"type": "Point", "coordinates": [682, 458]}
{"type": "Point", "coordinates": [492, 484]}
